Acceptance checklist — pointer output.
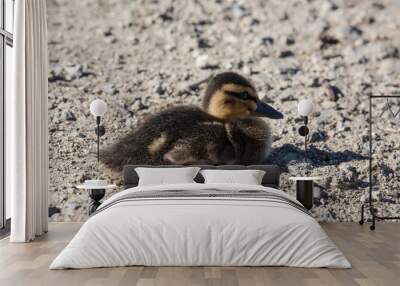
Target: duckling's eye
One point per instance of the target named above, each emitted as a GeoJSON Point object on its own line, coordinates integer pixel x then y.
{"type": "Point", "coordinates": [241, 95]}
{"type": "Point", "coordinates": [245, 95]}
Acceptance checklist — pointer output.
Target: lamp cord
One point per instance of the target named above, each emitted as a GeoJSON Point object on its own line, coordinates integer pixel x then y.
{"type": "Point", "coordinates": [98, 144]}
{"type": "Point", "coordinates": [98, 119]}
{"type": "Point", "coordinates": [305, 148]}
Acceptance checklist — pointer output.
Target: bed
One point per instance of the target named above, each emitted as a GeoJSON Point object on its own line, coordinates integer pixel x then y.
{"type": "Point", "coordinates": [197, 224]}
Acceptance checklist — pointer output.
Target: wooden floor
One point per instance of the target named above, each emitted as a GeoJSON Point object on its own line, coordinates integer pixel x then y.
{"type": "Point", "coordinates": [375, 257]}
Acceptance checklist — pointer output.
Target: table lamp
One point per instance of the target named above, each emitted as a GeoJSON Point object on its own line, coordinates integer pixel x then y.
{"type": "Point", "coordinates": [98, 108]}
{"type": "Point", "coordinates": [305, 108]}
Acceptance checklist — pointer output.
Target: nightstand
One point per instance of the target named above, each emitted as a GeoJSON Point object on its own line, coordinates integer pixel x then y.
{"type": "Point", "coordinates": [96, 193]}
{"type": "Point", "coordinates": [304, 190]}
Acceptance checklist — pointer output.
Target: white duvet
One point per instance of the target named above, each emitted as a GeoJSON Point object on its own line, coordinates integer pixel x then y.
{"type": "Point", "coordinates": [200, 231]}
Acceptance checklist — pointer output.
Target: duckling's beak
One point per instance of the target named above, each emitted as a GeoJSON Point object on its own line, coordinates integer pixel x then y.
{"type": "Point", "coordinates": [267, 110]}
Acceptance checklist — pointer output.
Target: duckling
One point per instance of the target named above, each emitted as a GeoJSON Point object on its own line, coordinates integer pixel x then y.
{"type": "Point", "coordinates": [225, 130]}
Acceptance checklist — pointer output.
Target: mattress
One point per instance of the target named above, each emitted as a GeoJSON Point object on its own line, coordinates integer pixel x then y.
{"type": "Point", "coordinates": [201, 225]}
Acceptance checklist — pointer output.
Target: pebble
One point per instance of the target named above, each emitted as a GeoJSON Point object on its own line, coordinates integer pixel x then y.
{"type": "Point", "coordinates": [68, 73]}
{"type": "Point", "coordinates": [246, 70]}
{"type": "Point", "coordinates": [69, 116]}
{"type": "Point", "coordinates": [109, 89]}
{"type": "Point", "coordinates": [72, 72]}
{"type": "Point", "coordinates": [317, 136]}
{"type": "Point", "coordinates": [313, 82]}
{"type": "Point", "coordinates": [160, 89]}
{"type": "Point", "coordinates": [290, 40]}
{"type": "Point", "coordinates": [56, 74]}
{"type": "Point", "coordinates": [267, 41]}
{"type": "Point", "coordinates": [201, 61]}
{"type": "Point", "coordinates": [352, 32]}
{"type": "Point", "coordinates": [332, 92]}
{"type": "Point", "coordinates": [286, 54]}
{"type": "Point", "coordinates": [327, 40]}
{"type": "Point", "coordinates": [239, 11]}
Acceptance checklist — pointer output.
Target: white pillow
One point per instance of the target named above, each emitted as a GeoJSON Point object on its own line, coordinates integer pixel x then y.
{"type": "Point", "coordinates": [164, 176]}
{"type": "Point", "coordinates": [248, 177]}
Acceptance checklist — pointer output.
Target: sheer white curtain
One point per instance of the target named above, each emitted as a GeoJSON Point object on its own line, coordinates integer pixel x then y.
{"type": "Point", "coordinates": [26, 124]}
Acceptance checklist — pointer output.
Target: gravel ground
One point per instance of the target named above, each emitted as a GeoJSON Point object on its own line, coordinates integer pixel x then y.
{"type": "Point", "coordinates": [142, 56]}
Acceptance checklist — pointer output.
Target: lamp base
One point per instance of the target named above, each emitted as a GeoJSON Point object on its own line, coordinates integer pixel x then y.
{"type": "Point", "coordinates": [100, 130]}
{"type": "Point", "coordinates": [304, 193]}
{"type": "Point", "coordinates": [303, 130]}
{"type": "Point", "coordinates": [95, 196]}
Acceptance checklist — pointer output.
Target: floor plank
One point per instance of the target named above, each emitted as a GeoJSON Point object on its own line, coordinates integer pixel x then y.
{"type": "Point", "coordinates": [375, 257]}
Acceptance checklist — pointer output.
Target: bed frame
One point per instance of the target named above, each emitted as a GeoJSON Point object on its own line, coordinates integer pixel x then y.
{"type": "Point", "coordinates": [271, 177]}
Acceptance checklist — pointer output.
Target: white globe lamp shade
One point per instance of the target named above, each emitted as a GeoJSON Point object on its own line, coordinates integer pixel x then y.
{"type": "Point", "coordinates": [98, 107]}
{"type": "Point", "coordinates": [305, 107]}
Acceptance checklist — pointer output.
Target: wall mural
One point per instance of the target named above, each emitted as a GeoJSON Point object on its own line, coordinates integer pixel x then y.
{"type": "Point", "coordinates": [219, 82]}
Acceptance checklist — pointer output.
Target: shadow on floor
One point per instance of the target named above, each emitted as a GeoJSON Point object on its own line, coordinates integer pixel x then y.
{"type": "Point", "coordinates": [290, 154]}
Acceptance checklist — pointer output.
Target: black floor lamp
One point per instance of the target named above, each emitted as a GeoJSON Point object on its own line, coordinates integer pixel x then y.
{"type": "Point", "coordinates": [370, 205]}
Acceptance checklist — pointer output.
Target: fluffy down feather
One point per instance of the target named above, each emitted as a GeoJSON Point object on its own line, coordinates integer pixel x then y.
{"type": "Point", "coordinates": [188, 135]}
